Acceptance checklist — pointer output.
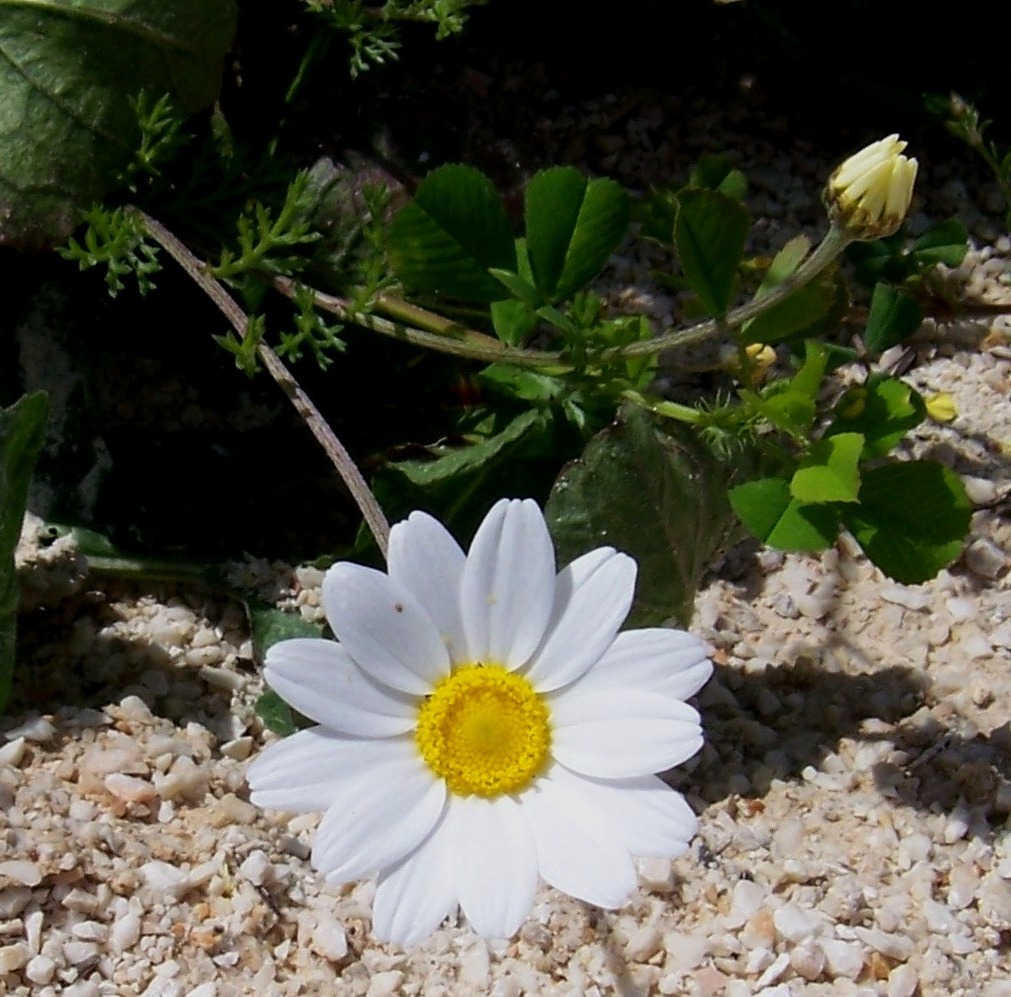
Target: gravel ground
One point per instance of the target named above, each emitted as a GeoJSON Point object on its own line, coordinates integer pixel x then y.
{"type": "Point", "coordinates": [854, 791]}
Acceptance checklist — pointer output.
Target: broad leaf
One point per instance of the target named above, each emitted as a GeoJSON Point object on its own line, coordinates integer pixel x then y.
{"type": "Point", "coordinates": [22, 430]}
{"type": "Point", "coordinates": [946, 242]}
{"type": "Point", "coordinates": [573, 225]}
{"type": "Point", "coordinates": [660, 498]}
{"type": "Point", "coordinates": [709, 232]}
{"type": "Point", "coordinates": [715, 172]}
{"type": "Point", "coordinates": [911, 520]}
{"type": "Point", "coordinates": [812, 310]}
{"type": "Point", "coordinates": [447, 238]}
{"type": "Point", "coordinates": [830, 471]}
{"type": "Point", "coordinates": [893, 317]}
{"type": "Point", "coordinates": [775, 517]}
{"type": "Point", "coordinates": [68, 70]}
{"type": "Point", "coordinates": [883, 410]}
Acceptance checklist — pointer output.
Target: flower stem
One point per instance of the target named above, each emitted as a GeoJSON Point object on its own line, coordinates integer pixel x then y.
{"type": "Point", "coordinates": [332, 446]}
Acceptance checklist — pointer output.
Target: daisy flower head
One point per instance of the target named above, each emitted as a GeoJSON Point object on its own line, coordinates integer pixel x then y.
{"type": "Point", "coordinates": [481, 724]}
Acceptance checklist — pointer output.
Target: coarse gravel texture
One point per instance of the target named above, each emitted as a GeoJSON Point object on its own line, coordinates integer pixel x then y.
{"type": "Point", "coordinates": [854, 791]}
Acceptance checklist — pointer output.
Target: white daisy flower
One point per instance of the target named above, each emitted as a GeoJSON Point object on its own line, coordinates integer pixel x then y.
{"type": "Point", "coordinates": [482, 722]}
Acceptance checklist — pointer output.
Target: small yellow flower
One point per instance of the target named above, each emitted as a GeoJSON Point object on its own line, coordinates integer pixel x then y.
{"type": "Point", "coordinates": [761, 355]}
{"type": "Point", "coordinates": [941, 407]}
{"type": "Point", "coordinates": [869, 194]}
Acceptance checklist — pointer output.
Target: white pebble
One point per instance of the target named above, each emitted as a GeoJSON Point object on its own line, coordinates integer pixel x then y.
{"type": "Point", "coordinates": [985, 558]}
{"type": "Point", "coordinates": [125, 932]}
{"type": "Point", "coordinates": [384, 984]}
{"type": "Point", "coordinates": [902, 981]}
{"type": "Point", "coordinates": [745, 901]}
{"type": "Point", "coordinates": [808, 960]}
{"type": "Point", "coordinates": [12, 752]}
{"type": "Point", "coordinates": [204, 990]}
{"type": "Point", "coordinates": [904, 595]}
{"type": "Point", "coordinates": [656, 873]}
{"type": "Point", "coordinates": [897, 947]}
{"type": "Point", "coordinates": [129, 788]}
{"type": "Point", "coordinates": [257, 868]}
{"type": "Point", "coordinates": [13, 957]}
{"type": "Point", "coordinates": [163, 878]}
{"type": "Point", "coordinates": [238, 748]}
{"type": "Point", "coordinates": [40, 969]}
{"type": "Point", "coordinates": [644, 943]}
{"type": "Point", "coordinates": [78, 952]}
{"type": "Point", "coordinates": [774, 972]}
{"type": "Point", "coordinates": [37, 729]}
{"type": "Point", "coordinates": [22, 871]}
{"type": "Point", "coordinates": [793, 924]}
{"type": "Point", "coordinates": [844, 959]}
{"type": "Point", "coordinates": [994, 900]}
{"type": "Point", "coordinates": [134, 708]}
{"type": "Point", "coordinates": [329, 939]}
{"type": "Point", "coordinates": [90, 931]}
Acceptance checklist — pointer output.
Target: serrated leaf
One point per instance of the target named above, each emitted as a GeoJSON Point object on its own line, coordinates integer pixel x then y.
{"type": "Point", "coordinates": [660, 498]}
{"type": "Point", "coordinates": [883, 410]}
{"type": "Point", "coordinates": [68, 70]}
{"type": "Point", "coordinates": [709, 232]}
{"type": "Point", "coordinates": [573, 225]}
{"type": "Point", "coordinates": [22, 431]}
{"type": "Point", "coordinates": [830, 471]}
{"type": "Point", "coordinates": [451, 234]}
{"type": "Point", "coordinates": [893, 317]}
{"type": "Point", "coordinates": [513, 321]}
{"type": "Point", "coordinates": [774, 516]}
{"type": "Point", "coordinates": [912, 519]}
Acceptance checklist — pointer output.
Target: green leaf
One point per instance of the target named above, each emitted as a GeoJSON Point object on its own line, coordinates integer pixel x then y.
{"type": "Point", "coordinates": [807, 380]}
{"type": "Point", "coordinates": [709, 232]}
{"type": "Point", "coordinates": [911, 520]}
{"type": "Point", "coordinates": [882, 411]}
{"type": "Point", "coordinates": [715, 172]}
{"type": "Point", "coordinates": [788, 410]}
{"type": "Point", "coordinates": [573, 225]}
{"type": "Point", "coordinates": [893, 317]}
{"type": "Point", "coordinates": [655, 214]}
{"type": "Point", "coordinates": [22, 431]}
{"type": "Point", "coordinates": [946, 242]}
{"type": "Point", "coordinates": [513, 321]}
{"type": "Point", "coordinates": [830, 471]}
{"type": "Point", "coordinates": [881, 259]}
{"type": "Point", "coordinates": [775, 517]}
{"type": "Point", "coordinates": [278, 716]}
{"type": "Point", "coordinates": [68, 72]}
{"type": "Point", "coordinates": [810, 311]}
{"type": "Point", "coordinates": [660, 498]}
{"type": "Point", "coordinates": [447, 238]}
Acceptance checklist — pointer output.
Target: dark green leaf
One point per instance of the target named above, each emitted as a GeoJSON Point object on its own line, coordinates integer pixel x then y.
{"type": "Point", "coordinates": [447, 238]}
{"type": "Point", "coordinates": [715, 172]}
{"type": "Point", "coordinates": [278, 716]}
{"type": "Point", "coordinates": [830, 471]}
{"type": "Point", "coordinates": [709, 232]}
{"type": "Point", "coordinates": [881, 259]}
{"type": "Point", "coordinates": [911, 520]}
{"type": "Point", "coordinates": [812, 310]}
{"type": "Point", "coordinates": [22, 430]}
{"type": "Point", "coordinates": [660, 498]}
{"type": "Point", "coordinates": [775, 517]}
{"type": "Point", "coordinates": [893, 317]}
{"type": "Point", "coordinates": [513, 321]}
{"type": "Point", "coordinates": [883, 410]}
{"type": "Point", "coordinates": [946, 242]}
{"type": "Point", "coordinates": [268, 625]}
{"type": "Point", "coordinates": [573, 225]}
{"type": "Point", "coordinates": [68, 70]}
{"type": "Point", "coordinates": [655, 215]}
{"type": "Point", "coordinates": [788, 410]}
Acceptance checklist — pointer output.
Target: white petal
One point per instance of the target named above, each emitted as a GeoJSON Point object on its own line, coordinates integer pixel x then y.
{"type": "Point", "coordinates": [575, 852]}
{"type": "Point", "coordinates": [320, 680]}
{"type": "Point", "coordinates": [378, 814]}
{"type": "Point", "coordinates": [592, 598]}
{"type": "Point", "coordinates": [425, 559]}
{"type": "Point", "coordinates": [619, 733]}
{"type": "Point", "coordinates": [670, 662]}
{"type": "Point", "coordinates": [415, 895]}
{"type": "Point", "coordinates": [304, 771]}
{"type": "Point", "coordinates": [496, 864]}
{"type": "Point", "coordinates": [647, 816]}
{"type": "Point", "coordinates": [508, 584]}
{"type": "Point", "coordinates": [382, 626]}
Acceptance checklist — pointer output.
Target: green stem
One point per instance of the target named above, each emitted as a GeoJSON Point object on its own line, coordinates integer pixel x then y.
{"type": "Point", "coordinates": [825, 252]}
{"type": "Point", "coordinates": [318, 426]}
{"type": "Point", "coordinates": [424, 328]}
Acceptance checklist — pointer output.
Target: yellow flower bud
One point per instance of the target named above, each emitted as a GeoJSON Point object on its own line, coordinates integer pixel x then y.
{"type": "Point", "coordinates": [869, 194]}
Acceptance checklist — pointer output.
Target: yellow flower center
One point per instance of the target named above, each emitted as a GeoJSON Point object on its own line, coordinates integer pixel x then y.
{"type": "Point", "coordinates": [484, 730]}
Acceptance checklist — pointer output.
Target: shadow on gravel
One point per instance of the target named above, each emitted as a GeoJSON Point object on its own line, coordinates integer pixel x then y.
{"type": "Point", "coordinates": [773, 725]}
